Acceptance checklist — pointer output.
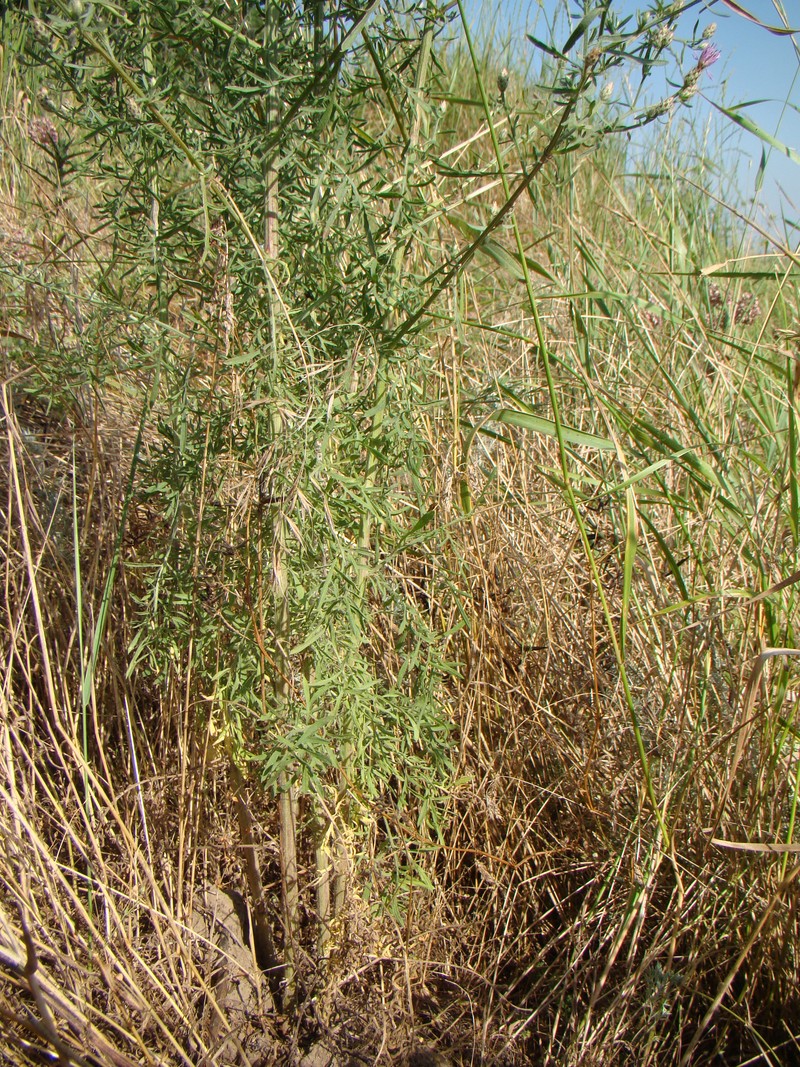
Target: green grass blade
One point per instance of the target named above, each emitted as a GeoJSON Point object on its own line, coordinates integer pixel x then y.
{"type": "Point", "coordinates": [794, 466]}
{"type": "Point", "coordinates": [583, 26]}
{"type": "Point", "coordinates": [538, 424]}
{"type": "Point", "coordinates": [779, 31]}
{"type": "Point", "coordinates": [631, 541]}
{"type": "Point", "coordinates": [751, 127]}
{"type": "Point", "coordinates": [501, 255]}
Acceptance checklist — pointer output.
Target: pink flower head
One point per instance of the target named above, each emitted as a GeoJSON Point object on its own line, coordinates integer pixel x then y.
{"type": "Point", "coordinates": [709, 55]}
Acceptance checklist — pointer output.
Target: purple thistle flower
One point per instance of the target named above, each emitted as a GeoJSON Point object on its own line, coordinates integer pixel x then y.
{"type": "Point", "coordinates": [709, 55]}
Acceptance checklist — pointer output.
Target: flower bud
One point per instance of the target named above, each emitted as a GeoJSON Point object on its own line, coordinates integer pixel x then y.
{"type": "Point", "coordinates": [41, 31]}
{"type": "Point", "coordinates": [134, 109]}
{"type": "Point", "coordinates": [663, 107]}
{"type": "Point", "coordinates": [709, 31]}
{"type": "Point", "coordinates": [502, 81]}
{"type": "Point", "coordinates": [662, 36]}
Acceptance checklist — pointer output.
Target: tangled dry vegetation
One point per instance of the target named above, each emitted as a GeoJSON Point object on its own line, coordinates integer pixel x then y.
{"type": "Point", "coordinates": [552, 922]}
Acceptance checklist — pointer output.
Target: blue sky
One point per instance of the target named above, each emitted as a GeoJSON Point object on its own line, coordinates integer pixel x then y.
{"type": "Point", "coordinates": [755, 65]}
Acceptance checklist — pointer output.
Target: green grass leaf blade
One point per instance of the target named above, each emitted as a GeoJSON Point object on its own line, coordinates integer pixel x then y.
{"type": "Point", "coordinates": [583, 26]}
{"type": "Point", "coordinates": [501, 255]}
{"type": "Point", "coordinates": [794, 465]}
{"type": "Point", "coordinates": [525, 421]}
{"type": "Point", "coordinates": [779, 31]}
{"type": "Point", "coordinates": [762, 166]}
{"type": "Point", "coordinates": [669, 557]}
{"type": "Point", "coordinates": [751, 127]}
{"type": "Point", "coordinates": [545, 47]}
{"type": "Point", "coordinates": [631, 542]}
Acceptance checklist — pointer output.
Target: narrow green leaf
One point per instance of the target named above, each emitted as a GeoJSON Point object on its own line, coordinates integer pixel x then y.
{"type": "Point", "coordinates": [506, 390]}
{"type": "Point", "coordinates": [649, 435]}
{"type": "Point", "coordinates": [583, 26]}
{"type": "Point", "coordinates": [779, 31]}
{"type": "Point", "coordinates": [715, 271]}
{"type": "Point", "coordinates": [311, 639]}
{"type": "Point", "coordinates": [509, 261]}
{"type": "Point", "coordinates": [646, 472]}
{"type": "Point", "coordinates": [751, 127]}
{"type": "Point", "coordinates": [631, 541]}
{"type": "Point", "coordinates": [794, 466]}
{"type": "Point", "coordinates": [668, 555]}
{"type": "Point", "coordinates": [545, 47]}
{"type": "Point", "coordinates": [424, 520]}
{"type": "Point", "coordinates": [526, 421]}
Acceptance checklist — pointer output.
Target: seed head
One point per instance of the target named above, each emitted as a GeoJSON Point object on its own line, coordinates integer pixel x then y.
{"type": "Point", "coordinates": [747, 309]}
